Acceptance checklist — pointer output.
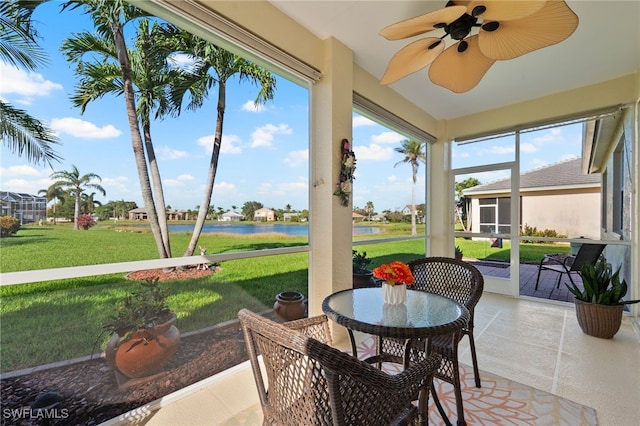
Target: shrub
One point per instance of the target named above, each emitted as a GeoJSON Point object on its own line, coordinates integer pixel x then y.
{"type": "Point", "coordinates": [85, 221]}
{"type": "Point", "coordinates": [9, 225]}
{"type": "Point", "coordinates": [532, 231]}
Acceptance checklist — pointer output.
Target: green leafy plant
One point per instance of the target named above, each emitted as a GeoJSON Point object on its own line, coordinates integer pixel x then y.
{"type": "Point", "coordinates": [142, 309]}
{"type": "Point", "coordinates": [602, 286]}
{"type": "Point", "coordinates": [458, 251]}
{"type": "Point", "coordinates": [360, 262]}
{"type": "Point", "coordinates": [9, 225]}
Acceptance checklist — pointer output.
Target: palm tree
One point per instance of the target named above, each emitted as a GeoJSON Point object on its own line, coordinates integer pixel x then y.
{"type": "Point", "coordinates": [75, 185]}
{"type": "Point", "coordinates": [20, 132]}
{"type": "Point", "coordinates": [413, 152]}
{"type": "Point", "coordinates": [214, 65]}
{"type": "Point", "coordinates": [120, 75]}
{"type": "Point", "coordinates": [88, 203]}
{"type": "Point", "coordinates": [53, 193]}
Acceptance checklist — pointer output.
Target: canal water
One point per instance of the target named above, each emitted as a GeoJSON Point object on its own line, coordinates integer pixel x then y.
{"type": "Point", "coordinates": [293, 230]}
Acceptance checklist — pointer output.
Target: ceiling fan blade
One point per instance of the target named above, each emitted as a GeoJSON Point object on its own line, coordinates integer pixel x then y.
{"type": "Point", "coordinates": [412, 58]}
{"type": "Point", "coordinates": [460, 72]}
{"type": "Point", "coordinates": [550, 25]}
{"type": "Point", "coordinates": [500, 10]}
{"type": "Point", "coordinates": [422, 24]}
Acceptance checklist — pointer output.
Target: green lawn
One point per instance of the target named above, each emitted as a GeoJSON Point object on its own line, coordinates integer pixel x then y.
{"type": "Point", "coordinates": [59, 320]}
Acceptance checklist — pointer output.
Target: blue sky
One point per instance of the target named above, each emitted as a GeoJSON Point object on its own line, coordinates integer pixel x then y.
{"type": "Point", "coordinates": [264, 150]}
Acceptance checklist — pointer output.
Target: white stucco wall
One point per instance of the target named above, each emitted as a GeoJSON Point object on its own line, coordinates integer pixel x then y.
{"type": "Point", "coordinates": [573, 215]}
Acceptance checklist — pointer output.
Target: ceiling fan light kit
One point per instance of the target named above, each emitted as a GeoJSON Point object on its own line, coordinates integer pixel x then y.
{"type": "Point", "coordinates": [483, 31]}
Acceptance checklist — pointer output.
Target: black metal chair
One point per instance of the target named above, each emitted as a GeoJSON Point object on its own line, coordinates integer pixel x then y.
{"type": "Point", "coordinates": [569, 264]}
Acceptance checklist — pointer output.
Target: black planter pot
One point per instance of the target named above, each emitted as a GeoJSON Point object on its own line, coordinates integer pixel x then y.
{"type": "Point", "coordinates": [363, 279]}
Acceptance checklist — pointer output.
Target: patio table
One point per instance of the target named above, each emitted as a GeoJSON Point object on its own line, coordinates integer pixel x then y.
{"type": "Point", "coordinates": [423, 316]}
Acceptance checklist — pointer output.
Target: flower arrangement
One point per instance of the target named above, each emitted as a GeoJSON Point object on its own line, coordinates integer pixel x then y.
{"type": "Point", "coordinates": [394, 272]}
{"type": "Point", "coordinates": [348, 168]}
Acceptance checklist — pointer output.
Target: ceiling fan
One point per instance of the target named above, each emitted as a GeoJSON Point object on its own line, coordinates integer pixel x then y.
{"type": "Point", "coordinates": [483, 31]}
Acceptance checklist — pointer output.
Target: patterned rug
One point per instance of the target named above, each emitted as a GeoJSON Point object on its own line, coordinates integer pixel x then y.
{"type": "Point", "coordinates": [500, 401]}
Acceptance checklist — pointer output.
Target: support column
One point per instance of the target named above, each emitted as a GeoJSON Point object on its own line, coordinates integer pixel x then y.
{"type": "Point", "coordinates": [439, 195]}
{"type": "Point", "coordinates": [330, 229]}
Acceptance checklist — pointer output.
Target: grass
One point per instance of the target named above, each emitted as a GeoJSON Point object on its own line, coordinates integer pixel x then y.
{"type": "Point", "coordinates": [58, 320]}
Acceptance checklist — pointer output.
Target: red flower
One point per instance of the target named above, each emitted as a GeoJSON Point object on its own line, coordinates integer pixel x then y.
{"type": "Point", "coordinates": [394, 272]}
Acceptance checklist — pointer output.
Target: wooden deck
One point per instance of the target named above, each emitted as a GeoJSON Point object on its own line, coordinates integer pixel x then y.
{"type": "Point", "coordinates": [528, 273]}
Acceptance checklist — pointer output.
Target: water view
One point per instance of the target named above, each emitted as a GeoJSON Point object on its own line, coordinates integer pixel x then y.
{"type": "Point", "coordinates": [293, 230]}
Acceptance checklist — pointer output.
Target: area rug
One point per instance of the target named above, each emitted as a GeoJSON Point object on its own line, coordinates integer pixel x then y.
{"type": "Point", "coordinates": [499, 402]}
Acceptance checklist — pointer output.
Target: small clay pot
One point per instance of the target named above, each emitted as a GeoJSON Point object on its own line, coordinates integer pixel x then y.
{"type": "Point", "coordinates": [289, 306]}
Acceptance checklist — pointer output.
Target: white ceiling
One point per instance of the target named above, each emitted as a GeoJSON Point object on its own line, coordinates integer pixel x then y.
{"type": "Point", "coordinates": [605, 45]}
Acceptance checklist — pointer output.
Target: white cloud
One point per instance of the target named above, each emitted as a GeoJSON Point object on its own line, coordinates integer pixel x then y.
{"type": "Point", "coordinates": [297, 158]}
{"type": "Point", "coordinates": [27, 84]}
{"type": "Point", "coordinates": [229, 144]}
{"type": "Point", "coordinates": [166, 153]}
{"type": "Point", "coordinates": [19, 171]}
{"type": "Point", "coordinates": [501, 150]}
{"type": "Point", "coordinates": [263, 136]}
{"type": "Point", "coordinates": [388, 137]}
{"type": "Point", "coordinates": [251, 106]}
{"type": "Point", "coordinates": [373, 152]}
{"type": "Point", "coordinates": [224, 187]}
{"type": "Point", "coordinates": [528, 148]}
{"type": "Point", "coordinates": [83, 129]}
{"type": "Point", "coordinates": [360, 121]}
{"type": "Point", "coordinates": [180, 181]}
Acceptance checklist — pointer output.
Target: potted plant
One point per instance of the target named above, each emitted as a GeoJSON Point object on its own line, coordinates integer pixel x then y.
{"type": "Point", "coordinates": [144, 337]}
{"type": "Point", "coordinates": [458, 253]}
{"type": "Point", "coordinates": [599, 306]}
{"type": "Point", "coordinates": [362, 277]}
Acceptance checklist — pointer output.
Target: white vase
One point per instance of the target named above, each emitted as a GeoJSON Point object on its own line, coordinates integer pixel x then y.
{"type": "Point", "coordinates": [394, 294]}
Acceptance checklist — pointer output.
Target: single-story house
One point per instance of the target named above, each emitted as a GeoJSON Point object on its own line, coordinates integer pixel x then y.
{"type": "Point", "coordinates": [231, 216]}
{"type": "Point", "coordinates": [289, 215]}
{"type": "Point", "coordinates": [138, 214]}
{"type": "Point", "coordinates": [264, 214]}
{"type": "Point", "coordinates": [551, 197]}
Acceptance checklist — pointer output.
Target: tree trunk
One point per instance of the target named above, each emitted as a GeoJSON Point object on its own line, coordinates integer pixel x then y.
{"type": "Point", "coordinates": [136, 139]}
{"type": "Point", "coordinates": [213, 166]}
{"type": "Point", "coordinates": [157, 188]}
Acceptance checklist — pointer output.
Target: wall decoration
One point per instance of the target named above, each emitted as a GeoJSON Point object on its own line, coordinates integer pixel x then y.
{"type": "Point", "coordinates": [344, 187]}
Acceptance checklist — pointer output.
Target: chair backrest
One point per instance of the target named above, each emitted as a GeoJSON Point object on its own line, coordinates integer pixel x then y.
{"type": "Point", "coordinates": [311, 383]}
{"type": "Point", "coordinates": [449, 277]}
{"type": "Point", "coordinates": [587, 254]}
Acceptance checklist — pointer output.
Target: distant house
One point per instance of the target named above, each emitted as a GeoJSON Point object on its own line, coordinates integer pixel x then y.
{"type": "Point", "coordinates": [26, 208]}
{"type": "Point", "coordinates": [231, 216]}
{"type": "Point", "coordinates": [408, 209]}
{"type": "Point", "coordinates": [356, 217]}
{"type": "Point", "coordinates": [554, 197]}
{"type": "Point", "coordinates": [290, 215]}
{"type": "Point", "coordinates": [378, 218]}
{"type": "Point", "coordinates": [264, 215]}
{"type": "Point", "coordinates": [138, 214]}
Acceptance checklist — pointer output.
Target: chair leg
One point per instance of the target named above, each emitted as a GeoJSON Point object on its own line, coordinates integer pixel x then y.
{"type": "Point", "coordinates": [474, 359]}
{"type": "Point", "coordinates": [458, 392]}
{"type": "Point", "coordinates": [538, 279]}
{"type": "Point", "coordinates": [436, 400]}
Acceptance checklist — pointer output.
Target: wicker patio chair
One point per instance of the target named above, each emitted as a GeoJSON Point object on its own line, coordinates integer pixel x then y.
{"type": "Point", "coordinates": [569, 264]}
{"type": "Point", "coordinates": [310, 383]}
{"type": "Point", "coordinates": [463, 283]}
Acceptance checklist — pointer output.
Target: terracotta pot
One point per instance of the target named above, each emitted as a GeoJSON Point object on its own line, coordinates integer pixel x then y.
{"type": "Point", "coordinates": [146, 352]}
{"type": "Point", "coordinates": [289, 306]}
{"type": "Point", "coordinates": [601, 321]}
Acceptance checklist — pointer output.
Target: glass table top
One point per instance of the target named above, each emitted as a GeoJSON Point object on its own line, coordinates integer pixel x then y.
{"type": "Point", "coordinates": [363, 309]}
